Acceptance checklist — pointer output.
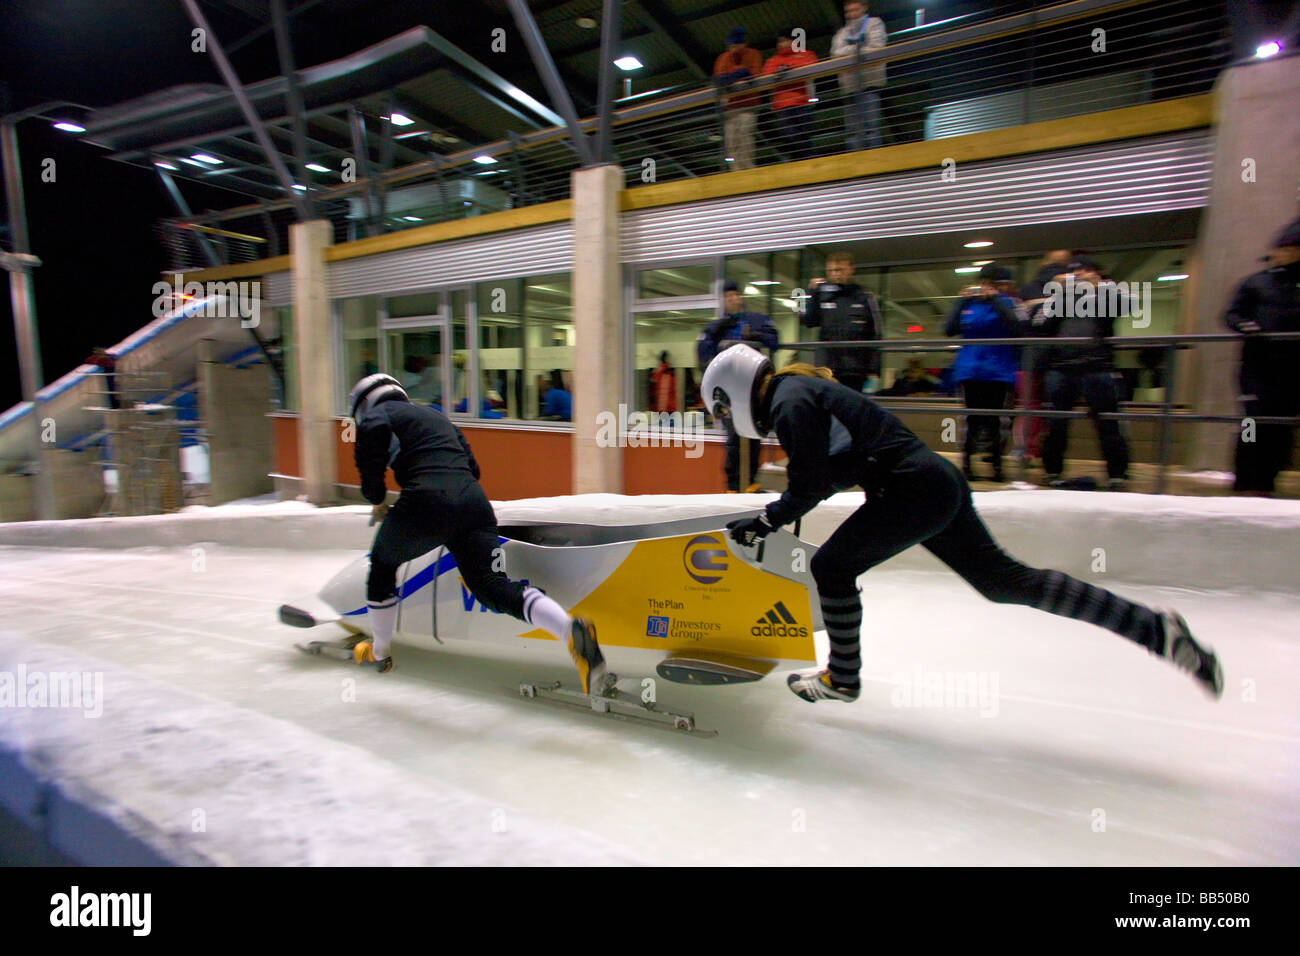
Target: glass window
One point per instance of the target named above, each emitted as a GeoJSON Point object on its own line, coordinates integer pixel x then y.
{"type": "Point", "coordinates": [288, 361]}
{"type": "Point", "coordinates": [359, 329]}
{"type": "Point", "coordinates": [772, 283]}
{"type": "Point", "coordinates": [665, 376]}
{"type": "Point", "coordinates": [421, 303]}
{"type": "Point", "coordinates": [415, 358]}
{"type": "Point", "coordinates": [671, 281]}
{"type": "Point", "coordinates": [525, 357]}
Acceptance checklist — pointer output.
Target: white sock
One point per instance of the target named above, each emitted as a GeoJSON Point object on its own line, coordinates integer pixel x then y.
{"type": "Point", "coordinates": [382, 618]}
{"type": "Point", "coordinates": [541, 611]}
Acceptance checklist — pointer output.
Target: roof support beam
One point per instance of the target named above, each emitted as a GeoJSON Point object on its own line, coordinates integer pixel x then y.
{"type": "Point", "coordinates": [245, 106]}
{"type": "Point", "coordinates": [550, 77]}
{"type": "Point", "coordinates": [610, 30]}
{"type": "Point", "coordinates": [659, 18]}
{"type": "Point", "coordinates": [293, 100]}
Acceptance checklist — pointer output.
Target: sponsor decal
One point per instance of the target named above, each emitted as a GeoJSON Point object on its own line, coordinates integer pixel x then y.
{"type": "Point", "coordinates": [656, 626]}
{"type": "Point", "coordinates": [778, 622]}
{"type": "Point", "coordinates": [705, 558]}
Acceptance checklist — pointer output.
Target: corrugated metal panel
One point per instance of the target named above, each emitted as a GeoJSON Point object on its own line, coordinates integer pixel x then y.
{"type": "Point", "coordinates": [1159, 174]}
{"type": "Point", "coordinates": [1054, 101]}
{"type": "Point", "coordinates": [277, 288]}
{"type": "Point", "coordinates": [547, 248]}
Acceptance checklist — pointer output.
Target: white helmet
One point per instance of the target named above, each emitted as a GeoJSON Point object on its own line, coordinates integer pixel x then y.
{"type": "Point", "coordinates": [372, 390]}
{"type": "Point", "coordinates": [728, 388]}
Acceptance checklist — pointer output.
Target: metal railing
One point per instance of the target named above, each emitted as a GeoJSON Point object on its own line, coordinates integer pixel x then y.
{"type": "Point", "coordinates": [1167, 415]}
{"type": "Point", "coordinates": [1068, 60]}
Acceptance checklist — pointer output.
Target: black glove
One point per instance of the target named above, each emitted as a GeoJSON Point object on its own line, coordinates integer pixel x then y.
{"type": "Point", "coordinates": [746, 531]}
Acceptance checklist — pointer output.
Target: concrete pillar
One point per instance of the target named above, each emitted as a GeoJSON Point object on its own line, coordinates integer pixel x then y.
{"type": "Point", "coordinates": [313, 335]}
{"type": "Point", "coordinates": [598, 323]}
{"type": "Point", "coordinates": [233, 405]}
{"type": "Point", "coordinates": [1253, 193]}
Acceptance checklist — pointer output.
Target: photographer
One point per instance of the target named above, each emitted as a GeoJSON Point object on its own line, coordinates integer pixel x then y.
{"type": "Point", "coordinates": [733, 326]}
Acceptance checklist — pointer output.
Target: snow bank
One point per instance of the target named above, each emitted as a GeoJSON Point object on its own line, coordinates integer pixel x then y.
{"type": "Point", "coordinates": [164, 776]}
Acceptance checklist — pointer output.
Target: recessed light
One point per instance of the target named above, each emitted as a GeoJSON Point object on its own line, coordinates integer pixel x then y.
{"type": "Point", "coordinates": [413, 219]}
{"type": "Point", "coordinates": [628, 63]}
{"type": "Point", "coordinates": [484, 160]}
{"type": "Point", "coordinates": [399, 119]}
{"type": "Point", "coordinates": [70, 127]}
{"type": "Point", "coordinates": [983, 262]}
{"type": "Point", "coordinates": [965, 269]}
{"type": "Point", "coordinates": [586, 23]}
{"type": "Point", "coordinates": [1172, 277]}
{"type": "Point", "coordinates": [300, 186]}
{"type": "Point", "coordinates": [979, 244]}
{"type": "Point", "coordinates": [1265, 50]}
{"type": "Point", "coordinates": [161, 165]}
{"type": "Point", "coordinates": [318, 167]}
{"type": "Point", "coordinates": [205, 158]}
{"type": "Point", "coordinates": [766, 282]}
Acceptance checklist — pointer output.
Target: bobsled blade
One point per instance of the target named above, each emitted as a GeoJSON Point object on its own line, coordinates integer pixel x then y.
{"type": "Point", "coordinates": [709, 668]}
{"type": "Point", "coordinates": [616, 704]}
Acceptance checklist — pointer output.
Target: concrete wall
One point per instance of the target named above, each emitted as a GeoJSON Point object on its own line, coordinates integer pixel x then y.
{"type": "Point", "coordinates": [234, 404]}
{"type": "Point", "coordinates": [1253, 193]}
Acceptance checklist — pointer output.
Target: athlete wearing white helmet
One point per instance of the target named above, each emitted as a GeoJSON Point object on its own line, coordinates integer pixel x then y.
{"type": "Point", "coordinates": [441, 504]}
{"type": "Point", "coordinates": [836, 439]}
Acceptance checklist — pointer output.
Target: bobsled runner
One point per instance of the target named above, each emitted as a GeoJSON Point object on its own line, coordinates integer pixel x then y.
{"type": "Point", "coordinates": [676, 596]}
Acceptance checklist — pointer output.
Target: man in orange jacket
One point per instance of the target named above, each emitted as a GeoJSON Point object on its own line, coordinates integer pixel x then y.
{"type": "Point", "coordinates": [790, 101]}
{"type": "Point", "coordinates": [734, 70]}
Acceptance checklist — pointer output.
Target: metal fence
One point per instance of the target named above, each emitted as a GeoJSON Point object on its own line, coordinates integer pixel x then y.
{"type": "Point", "coordinates": [1069, 60]}
{"type": "Point", "coordinates": [1168, 414]}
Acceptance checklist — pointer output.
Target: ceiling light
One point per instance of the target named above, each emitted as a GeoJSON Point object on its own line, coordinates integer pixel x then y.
{"type": "Point", "coordinates": [484, 159]}
{"type": "Point", "coordinates": [205, 158]}
{"type": "Point", "coordinates": [628, 63]}
{"type": "Point", "coordinates": [982, 262]}
{"type": "Point", "coordinates": [399, 119]}
{"type": "Point", "coordinates": [195, 162]}
{"type": "Point", "coordinates": [413, 219]}
{"type": "Point", "coordinates": [979, 244]}
{"type": "Point", "coordinates": [965, 269]}
{"type": "Point", "coordinates": [318, 167]}
{"type": "Point", "coordinates": [586, 23]}
{"type": "Point", "coordinates": [1172, 277]}
{"type": "Point", "coordinates": [766, 282]}
{"type": "Point", "coordinates": [70, 127]}
{"type": "Point", "coordinates": [1265, 50]}
{"type": "Point", "coordinates": [161, 165]}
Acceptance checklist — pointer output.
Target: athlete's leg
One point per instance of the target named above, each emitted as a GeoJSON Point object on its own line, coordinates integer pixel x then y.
{"type": "Point", "coordinates": [918, 497]}
{"type": "Point", "coordinates": [966, 546]}
{"type": "Point", "coordinates": [411, 528]}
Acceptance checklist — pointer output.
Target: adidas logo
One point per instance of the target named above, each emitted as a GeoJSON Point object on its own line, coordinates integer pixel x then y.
{"type": "Point", "coordinates": [778, 622]}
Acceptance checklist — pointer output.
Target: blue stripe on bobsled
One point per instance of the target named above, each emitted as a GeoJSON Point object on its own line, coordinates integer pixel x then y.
{"type": "Point", "coordinates": [445, 564]}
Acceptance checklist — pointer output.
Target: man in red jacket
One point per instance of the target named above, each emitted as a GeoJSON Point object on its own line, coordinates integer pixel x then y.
{"type": "Point", "coordinates": [734, 70]}
{"type": "Point", "coordinates": [790, 101]}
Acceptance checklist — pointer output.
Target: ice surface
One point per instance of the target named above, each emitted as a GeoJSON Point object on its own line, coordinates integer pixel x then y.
{"type": "Point", "coordinates": [206, 706]}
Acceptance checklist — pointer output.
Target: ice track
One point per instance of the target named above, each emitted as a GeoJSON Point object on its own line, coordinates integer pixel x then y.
{"type": "Point", "coordinates": [1083, 751]}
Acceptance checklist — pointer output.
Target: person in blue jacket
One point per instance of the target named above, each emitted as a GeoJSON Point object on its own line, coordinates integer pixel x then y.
{"type": "Point", "coordinates": [753, 329]}
{"type": "Point", "coordinates": [557, 403]}
{"type": "Point", "coordinates": [986, 374]}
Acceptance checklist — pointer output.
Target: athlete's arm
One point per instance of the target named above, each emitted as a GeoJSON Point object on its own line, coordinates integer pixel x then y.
{"type": "Point", "coordinates": [804, 432]}
{"type": "Point", "coordinates": [473, 465]}
{"type": "Point", "coordinates": [371, 455]}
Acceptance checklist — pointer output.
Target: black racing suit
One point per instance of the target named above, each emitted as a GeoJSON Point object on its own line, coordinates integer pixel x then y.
{"type": "Point", "coordinates": [837, 438]}
{"type": "Point", "coordinates": [441, 502]}
{"type": "Point", "coordinates": [843, 313]}
{"type": "Point", "coordinates": [1268, 301]}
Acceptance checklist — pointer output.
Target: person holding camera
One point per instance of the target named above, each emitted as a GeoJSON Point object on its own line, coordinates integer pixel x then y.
{"type": "Point", "coordinates": [756, 330]}
{"type": "Point", "coordinates": [985, 373]}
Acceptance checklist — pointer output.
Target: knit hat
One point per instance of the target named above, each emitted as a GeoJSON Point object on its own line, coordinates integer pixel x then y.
{"type": "Point", "coordinates": [731, 285]}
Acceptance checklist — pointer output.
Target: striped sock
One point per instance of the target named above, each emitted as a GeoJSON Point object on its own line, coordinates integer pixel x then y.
{"type": "Point", "coordinates": [1070, 597]}
{"type": "Point", "coordinates": [541, 611]}
{"type": "Point", "coordinates": [843, 617]}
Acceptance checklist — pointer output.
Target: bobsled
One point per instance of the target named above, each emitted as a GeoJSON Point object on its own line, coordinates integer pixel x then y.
{"type": "Point", "coordinates": [677, 596]}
